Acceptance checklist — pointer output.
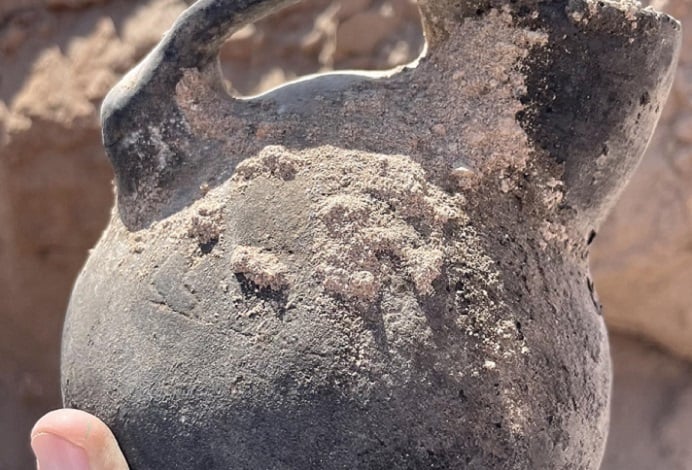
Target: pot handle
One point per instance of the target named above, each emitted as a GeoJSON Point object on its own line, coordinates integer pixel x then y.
{"type": "Point", "coordinates": [200, 31]}
{"type": "Point", "coordinates": [152, 151]}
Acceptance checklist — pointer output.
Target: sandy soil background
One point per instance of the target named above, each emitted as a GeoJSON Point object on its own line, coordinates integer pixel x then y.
{"type": "Point", "coordinates": [59, 57]}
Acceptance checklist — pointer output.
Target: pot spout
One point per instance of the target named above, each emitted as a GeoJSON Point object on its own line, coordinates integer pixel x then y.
{"type": "Point", "coordinates": [594, 90]}
{"type": "Point", "coordinates": [595, 94]}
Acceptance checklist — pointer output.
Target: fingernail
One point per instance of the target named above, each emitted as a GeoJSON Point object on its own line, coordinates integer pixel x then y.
{"type": "Point", "coordinates": [55, 453]}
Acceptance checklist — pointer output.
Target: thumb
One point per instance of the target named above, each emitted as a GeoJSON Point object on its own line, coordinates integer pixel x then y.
{"type": "Point", "coordinates": [74, 440]}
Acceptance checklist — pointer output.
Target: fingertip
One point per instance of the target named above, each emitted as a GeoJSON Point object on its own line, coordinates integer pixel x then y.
{"type": "Point", "coordinates": [78, 427]}
{"type": "Point", "coordinates": [81, 430]}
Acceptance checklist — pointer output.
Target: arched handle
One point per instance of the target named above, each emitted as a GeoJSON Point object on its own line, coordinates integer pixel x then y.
{"type": "Point", "coordinates": [153, 152]}
{"type": "Point", "coordinates": [200, 31]}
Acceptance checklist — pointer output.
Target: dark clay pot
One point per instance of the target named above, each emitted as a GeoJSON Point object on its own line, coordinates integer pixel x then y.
{"type": "Point", "coordinates": [361, 272]}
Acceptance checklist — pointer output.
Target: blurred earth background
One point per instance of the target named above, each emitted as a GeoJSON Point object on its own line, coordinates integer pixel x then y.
{"type": "Point", "coordinates": [58, 58]}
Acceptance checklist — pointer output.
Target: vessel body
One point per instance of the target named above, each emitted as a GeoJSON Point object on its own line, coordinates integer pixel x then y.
{"type": "Point", "coordinates": [368, 272]}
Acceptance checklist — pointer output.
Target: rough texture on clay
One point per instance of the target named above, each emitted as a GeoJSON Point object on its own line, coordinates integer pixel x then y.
{"type": "Point", "coordinates": [351, 341]}
{"type": "Point", "coordinates": [367, 209]}
{"type": "Point", "coordinates": [360, 272]}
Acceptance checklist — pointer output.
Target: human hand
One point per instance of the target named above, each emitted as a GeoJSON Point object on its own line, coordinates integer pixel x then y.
{"type": "Point", "coordinates": [74, 440]}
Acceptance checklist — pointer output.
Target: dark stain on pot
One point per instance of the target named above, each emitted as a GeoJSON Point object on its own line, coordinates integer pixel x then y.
{"type": "Point", "coordinates": [206, 247]}
{"type": "Point", "coordinates": [277, 298]}
{"type": "Point", "coordinates": [585, 83]}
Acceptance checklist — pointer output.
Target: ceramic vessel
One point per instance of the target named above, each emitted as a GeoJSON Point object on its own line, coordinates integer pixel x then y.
{"type": "Point", "coordinates": [367, 271]}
